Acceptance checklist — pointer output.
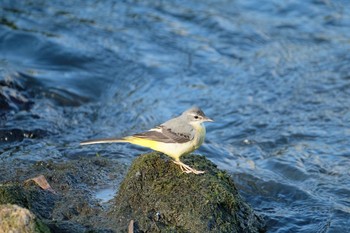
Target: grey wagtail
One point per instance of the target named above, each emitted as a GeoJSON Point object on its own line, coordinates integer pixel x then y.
{"type": "Point", "coordinates": [176, 137]}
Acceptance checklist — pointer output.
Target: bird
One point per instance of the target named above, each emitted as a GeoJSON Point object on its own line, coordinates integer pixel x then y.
{"type": "Point", "coordinates": [176, 137]}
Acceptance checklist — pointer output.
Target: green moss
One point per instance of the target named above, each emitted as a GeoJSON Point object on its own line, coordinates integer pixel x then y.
{"type": "Point", "coordinates": [12, 194]}
{"type": "Point", "coordinates": [40, 227]}
{"type": "Point", "coordinates": [28, 197]}
{"type": "Point", "coordinates": [159, 197]}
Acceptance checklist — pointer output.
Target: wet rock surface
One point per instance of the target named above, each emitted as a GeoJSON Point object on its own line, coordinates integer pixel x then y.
{"type": "Point", "coordinates": [13, 98]}
{"type": "Point", "coordinates": [158, 197]}
{"type": "Point", "coordinates": [73, 206]}
{"type": "Point", "coordinates": [154, 194]}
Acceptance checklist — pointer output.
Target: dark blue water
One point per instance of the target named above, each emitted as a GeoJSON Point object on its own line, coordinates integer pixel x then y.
{"type": "Point", "coordinates": [275, 76]}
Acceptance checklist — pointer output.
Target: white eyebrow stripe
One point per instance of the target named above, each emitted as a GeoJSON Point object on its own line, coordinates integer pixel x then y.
{"type": "Point", "coordinates": [157, 129]}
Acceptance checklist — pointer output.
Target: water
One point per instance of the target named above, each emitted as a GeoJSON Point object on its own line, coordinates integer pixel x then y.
{"type": "Point", "coordinates": [105, 194]}
{"type": "Point", "coordinates": [274, 75]}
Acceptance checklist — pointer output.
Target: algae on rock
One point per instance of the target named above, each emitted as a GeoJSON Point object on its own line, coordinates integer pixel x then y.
{"type": "Point", "coordinates": [159, 197]}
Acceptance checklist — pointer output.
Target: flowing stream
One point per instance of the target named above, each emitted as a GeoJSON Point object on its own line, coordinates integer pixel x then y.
{"type": "Point", "coordinates": [274, 75]}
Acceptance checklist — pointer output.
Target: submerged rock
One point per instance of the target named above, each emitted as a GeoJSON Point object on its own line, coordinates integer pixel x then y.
{"type": "Point", "coordinates": [14, 218]}
{"type": "Point", "coordinates": [157, 197]}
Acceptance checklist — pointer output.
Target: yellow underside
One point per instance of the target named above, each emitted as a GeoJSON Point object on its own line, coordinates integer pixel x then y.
{"type": "Point", "coordinates": [143, 142]}
{"type": "Point", "coordinates": [174, 150]}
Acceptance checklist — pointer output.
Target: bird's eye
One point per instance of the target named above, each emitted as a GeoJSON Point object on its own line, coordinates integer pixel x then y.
{"type": "Point", "coordinates": [196, 117]}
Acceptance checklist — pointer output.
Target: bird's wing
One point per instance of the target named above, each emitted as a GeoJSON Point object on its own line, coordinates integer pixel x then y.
{"type": "Point", "coordinates": [166, 135]}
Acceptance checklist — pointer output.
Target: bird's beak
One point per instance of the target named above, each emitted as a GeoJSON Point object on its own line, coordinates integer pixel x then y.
{"type": "Point", "coordinates": [207, 119]}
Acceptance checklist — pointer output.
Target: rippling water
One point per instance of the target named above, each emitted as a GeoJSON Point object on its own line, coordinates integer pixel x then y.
{"type": "Point", "coordinates": [275, 76]}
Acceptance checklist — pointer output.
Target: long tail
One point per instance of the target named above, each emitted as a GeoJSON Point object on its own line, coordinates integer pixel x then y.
{"type": "Point", "coordinates": [103, 140]}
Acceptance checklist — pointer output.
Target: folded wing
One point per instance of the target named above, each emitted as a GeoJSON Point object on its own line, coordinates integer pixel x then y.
{"type": "Point", "coordinates": [166, 135]}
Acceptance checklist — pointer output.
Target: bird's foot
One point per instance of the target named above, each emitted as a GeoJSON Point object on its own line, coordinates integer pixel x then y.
{"type": "Point", "coordinates": [187, 169]}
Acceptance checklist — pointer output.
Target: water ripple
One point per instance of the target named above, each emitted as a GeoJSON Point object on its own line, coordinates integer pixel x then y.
{"type": "Point", "coordinates": [274, 76]}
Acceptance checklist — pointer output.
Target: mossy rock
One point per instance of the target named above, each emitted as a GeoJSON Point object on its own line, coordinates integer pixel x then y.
{"type": "Point", "coordinates": [17, 219]}
{"type": "Point", "coordinates": [13, 194]}
{"type": "Point", "coordinates": [159, 197]}
{"type": "Point", "coordinates": [30, 196]}
{"type": "Point", "coordinates": [28, 202]}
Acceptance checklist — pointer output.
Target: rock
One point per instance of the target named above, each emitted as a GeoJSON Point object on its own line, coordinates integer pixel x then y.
{"type": "Point", "coordinates": [14, 218]}
{"type": "Point", "coordinates": [13, 97]}
{"type": "Point", "coordinates": [74, 205]}
{"type": "Point", "coordinates": [30, 196]}
{"type": "Point", "coordinates": [15, 134]}
{"type": "Point", "coordinates": [158, 197]}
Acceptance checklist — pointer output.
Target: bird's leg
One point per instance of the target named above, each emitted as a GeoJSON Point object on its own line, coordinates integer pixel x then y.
{"type": "Point", "coordinates": [187, 169]}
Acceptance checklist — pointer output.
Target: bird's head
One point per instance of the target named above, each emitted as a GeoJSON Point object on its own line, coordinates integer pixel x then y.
{"type": "Point", "coordinates": [196, 116]}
